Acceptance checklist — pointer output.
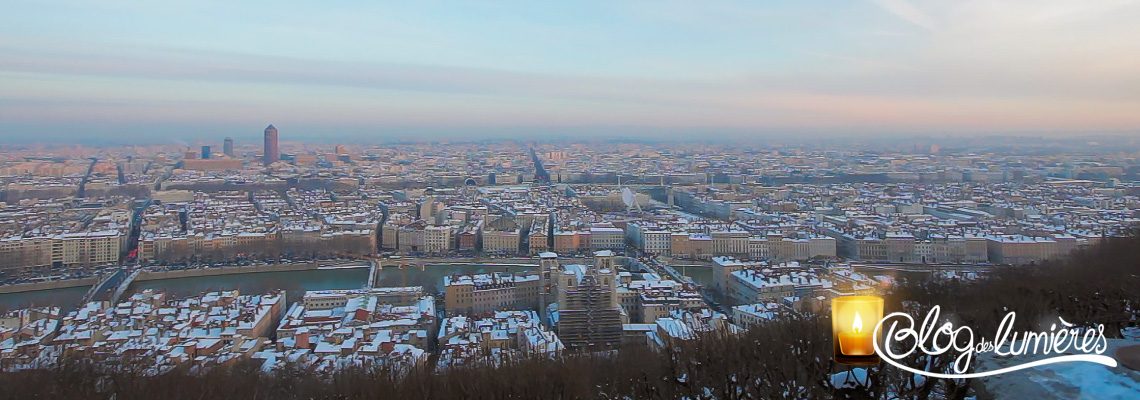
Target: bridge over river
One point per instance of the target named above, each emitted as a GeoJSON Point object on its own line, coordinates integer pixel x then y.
{"type": "Point", "coordinates": [111, 286]}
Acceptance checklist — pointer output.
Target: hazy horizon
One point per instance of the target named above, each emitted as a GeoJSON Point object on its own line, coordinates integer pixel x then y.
{"type": "Point", "coordinates": [113, 72]}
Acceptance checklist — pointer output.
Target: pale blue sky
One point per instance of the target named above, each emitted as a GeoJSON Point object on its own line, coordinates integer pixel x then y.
{"type": "Point", "coordinates": [209, 68]}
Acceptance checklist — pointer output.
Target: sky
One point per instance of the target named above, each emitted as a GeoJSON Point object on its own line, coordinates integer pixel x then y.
{"type": "Point", "coordinates": [118, 70]}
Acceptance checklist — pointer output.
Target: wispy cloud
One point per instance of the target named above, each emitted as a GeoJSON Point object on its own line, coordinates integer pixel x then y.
{"type": "Point", "coordinates": [969, 66]}
{"type": "Point", "coordinates": [907, 12]}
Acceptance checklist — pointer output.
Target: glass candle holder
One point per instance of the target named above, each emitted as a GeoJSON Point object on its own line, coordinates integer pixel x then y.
{"type": "Point", "coordinates": [853, 321]}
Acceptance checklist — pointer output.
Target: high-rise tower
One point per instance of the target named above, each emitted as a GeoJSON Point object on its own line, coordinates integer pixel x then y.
{"type": "Point", "coordinates": [228, 147]}
{"type": "Point", "coordinates": [270, 154]}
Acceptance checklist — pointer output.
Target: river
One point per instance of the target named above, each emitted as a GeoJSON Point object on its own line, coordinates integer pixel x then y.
{"type": "Point", "coordinates": [65, 297]}
{"type": "Point", "coordinates": [700, 274]}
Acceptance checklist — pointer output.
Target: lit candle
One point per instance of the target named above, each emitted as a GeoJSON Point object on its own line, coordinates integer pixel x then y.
{"type": "Point", "coordinates": [853, 320]}
{"type": "Point", "coordinates": [855, 342]}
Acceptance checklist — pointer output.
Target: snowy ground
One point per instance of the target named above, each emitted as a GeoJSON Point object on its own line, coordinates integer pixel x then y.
{"type": "Point", "coordinates": [1059, 381]}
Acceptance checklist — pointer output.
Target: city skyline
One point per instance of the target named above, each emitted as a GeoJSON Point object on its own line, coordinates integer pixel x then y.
{"type": "Point", "coordinates": [113, 73]}
{"type": "Point", "coordinates": [341, 256]}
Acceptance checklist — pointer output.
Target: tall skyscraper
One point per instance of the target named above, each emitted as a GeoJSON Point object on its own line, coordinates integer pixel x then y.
{"type": "Point", "coordinates": [205, 152]}
{"type": "Point", "coordinates": [228, 147]}
{"type": "Point", "coordinates": [270, 154]}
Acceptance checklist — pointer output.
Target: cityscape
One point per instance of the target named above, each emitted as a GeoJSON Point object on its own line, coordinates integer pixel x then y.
{"type": "Point", "coordinates": [881, 199]}
{"type": "Point", "coordinates": [599, 246]}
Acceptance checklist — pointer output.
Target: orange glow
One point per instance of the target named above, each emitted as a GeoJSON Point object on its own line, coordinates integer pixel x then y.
{"type": "Point", "coordinates": [853, 342]}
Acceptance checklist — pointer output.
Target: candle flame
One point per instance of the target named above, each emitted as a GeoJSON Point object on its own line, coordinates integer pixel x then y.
{"type": "Point", "coordinates": [857, 326]}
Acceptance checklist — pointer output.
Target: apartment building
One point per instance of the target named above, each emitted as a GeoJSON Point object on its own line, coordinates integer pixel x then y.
{"type": "Point", "coordinates": [730, 243]}
{"type": "Point", "coordinates": [607, 237]}
{"type": "Point", "coordinates": [438, 239]}
{"type": "Point", "coordinates": [539, 240]}
{"type": "Point", "coordinates": [484, 293]}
